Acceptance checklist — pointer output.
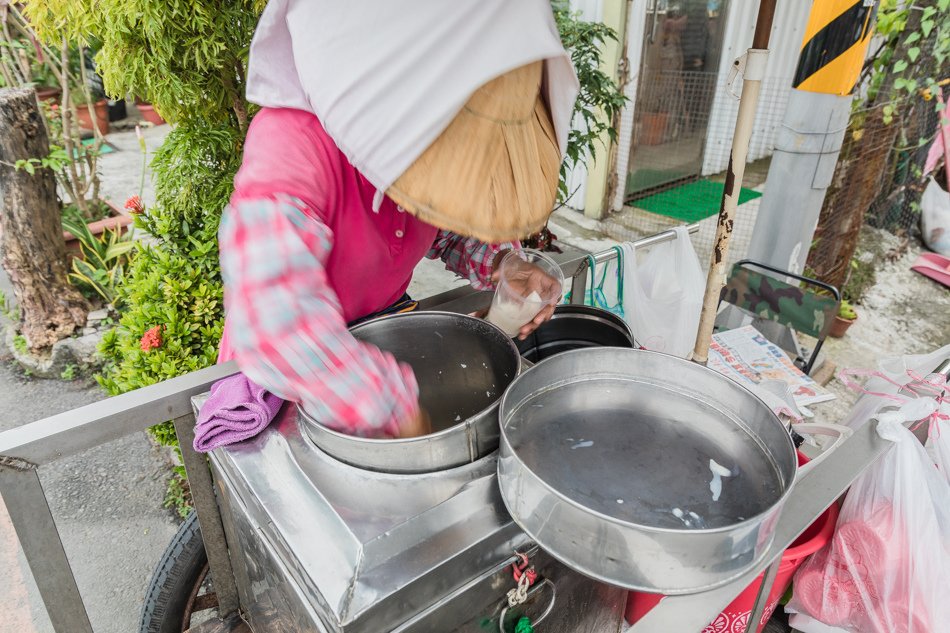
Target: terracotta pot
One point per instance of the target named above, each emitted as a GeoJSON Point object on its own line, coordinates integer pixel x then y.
{"type": "Point", "coordinates": [118, 220]}
{"type": "Point", "coordinates": [840, 326]}
{"type": "Point", "coordinates": [149, 114]}
{"type": "Point", "coordinates": [653, 127]}
{"type": "Point", "coordinates": [102, 116]}
{"type": "Point", "coordinates": [48, 93]}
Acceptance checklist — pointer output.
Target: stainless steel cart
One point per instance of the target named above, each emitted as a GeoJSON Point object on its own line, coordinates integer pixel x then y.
{"type": "Point", "coordinates": [299, 542]}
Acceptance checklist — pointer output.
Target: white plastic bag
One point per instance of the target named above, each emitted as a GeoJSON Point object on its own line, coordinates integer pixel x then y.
{"type": "Point", "coordinates": [887, 568]}
{"type": "Point", "coordinates": [935, 218]}
{"type": "Point", "coordinates": [663, 295]}
{"type": "Point", "coordinates": [900, 370]}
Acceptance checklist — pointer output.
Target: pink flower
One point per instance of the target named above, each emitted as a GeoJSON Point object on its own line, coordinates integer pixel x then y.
{"type": "Point", "coordinates": [152, 339]}
{"type": "Point", "coordinates": [134, 205]}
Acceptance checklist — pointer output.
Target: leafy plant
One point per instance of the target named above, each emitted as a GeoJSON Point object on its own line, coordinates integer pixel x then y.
{"type": "Point", "coordinates": [101, 267]}
{"type": "Point", "coordinates": [600, 100]}
{"type": "Point", "coordinates": [69, 372]}
{"type": "Point", "coordinates": [846, 311]}
{"type": "Point", "coordinates": [8, 310]}
{"type": "Point", "coordinates": [178, 493]}
{"type": "Point", "coordinates": [20, 344]}
{"type": "Point", "coordinates": [188, 58]}
{"type": "Point", "coordinates": [74, 163]}
{"type": "Point", "coordinates": [912, 54]}
{"type": "Point", "coordinates": [862, 275]}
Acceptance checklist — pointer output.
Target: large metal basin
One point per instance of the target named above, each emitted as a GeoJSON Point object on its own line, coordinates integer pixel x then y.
{"type": "Point", "coordinates": [462, 364]}
{"type": "Point", "coordinates": [605, 462]}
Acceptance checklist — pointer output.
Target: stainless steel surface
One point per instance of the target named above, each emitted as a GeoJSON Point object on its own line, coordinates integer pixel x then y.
{"type": "Point", "coordinates": [209, 515]}
{"type": "Point", "coordinates": [462, 365]}
{"type": "Point", "coordinates": [762, 597]}
{"type": "Point", "coordinates": [815, 490]}
{"type": "Point", "coordinates": [605, 461]}
{"type": "Point", "coordinates": [358, 550]}
{"type": "Point", "coordinates": [25, 502]}
{"type": "Point", "coordinates": [575, 327]}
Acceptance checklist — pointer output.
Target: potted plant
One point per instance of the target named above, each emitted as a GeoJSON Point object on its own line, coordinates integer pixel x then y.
{"type": "Point", "coordinates": [843, 320]}
{"type": "Point", "coordinates": [148, 112]}
{"type": "Point", "coordinates": [86, 109]}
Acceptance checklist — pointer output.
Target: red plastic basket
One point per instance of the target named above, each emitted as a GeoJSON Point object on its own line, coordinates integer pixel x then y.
{"type": "Point", "coordinates": [736, 616]}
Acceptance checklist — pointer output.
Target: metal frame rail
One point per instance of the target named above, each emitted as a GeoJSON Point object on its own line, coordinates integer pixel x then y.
{"type": "Point", "coordinates": [26, 449]}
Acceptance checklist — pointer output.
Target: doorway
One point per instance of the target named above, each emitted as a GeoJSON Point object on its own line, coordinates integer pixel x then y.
{"type": "Point", "coordinates": [681, 47]}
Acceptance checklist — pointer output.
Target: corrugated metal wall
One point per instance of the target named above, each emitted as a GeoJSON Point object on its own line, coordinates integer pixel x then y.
{"type": "Point", "coordinates": [784, 46]}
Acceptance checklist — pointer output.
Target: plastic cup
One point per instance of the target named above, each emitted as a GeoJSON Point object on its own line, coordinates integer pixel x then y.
{"type": "Point", "coordinates": [530, 281]}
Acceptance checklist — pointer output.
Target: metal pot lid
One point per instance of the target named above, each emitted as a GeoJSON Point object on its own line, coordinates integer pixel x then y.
{"type": "Point", "coordinates": [610, 457]}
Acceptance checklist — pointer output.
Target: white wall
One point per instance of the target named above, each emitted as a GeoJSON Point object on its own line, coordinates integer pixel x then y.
{"type": "Point", "coordinates": [592, 11]}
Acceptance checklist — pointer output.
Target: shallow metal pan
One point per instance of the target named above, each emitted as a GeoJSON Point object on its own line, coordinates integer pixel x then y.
{"type": "Point", "coordinates": [605, 462]}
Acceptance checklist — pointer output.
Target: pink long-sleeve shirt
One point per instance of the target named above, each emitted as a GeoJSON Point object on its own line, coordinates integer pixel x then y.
{"type": "Point", "coordinates": [302, 254]}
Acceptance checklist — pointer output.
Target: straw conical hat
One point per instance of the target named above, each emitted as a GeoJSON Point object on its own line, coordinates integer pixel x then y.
{"type": "Point", "coordinates": [493, 172]}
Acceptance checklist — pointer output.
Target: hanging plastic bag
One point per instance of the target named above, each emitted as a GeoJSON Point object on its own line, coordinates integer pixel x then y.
{"type": "Point", "coordinates": [887, 568]}
{"type": "Point", "coordinates": [604, 288]}
{"type": "Point", "coordinates": [663, 295]}
{"type": "Point", "coordinates": [935, 218]}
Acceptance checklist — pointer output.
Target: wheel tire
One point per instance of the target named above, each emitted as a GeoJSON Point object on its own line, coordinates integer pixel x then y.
{"type": "Point", "coordinates": [174, 579]}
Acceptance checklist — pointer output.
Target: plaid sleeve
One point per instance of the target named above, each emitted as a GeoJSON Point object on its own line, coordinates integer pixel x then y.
{"type": "Point", "coordinates": [468, 258]}
{"type": "Point", "coordinates": [286, 323]}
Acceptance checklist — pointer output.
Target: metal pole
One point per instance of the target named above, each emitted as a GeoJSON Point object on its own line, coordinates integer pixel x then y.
{"type": "Point", "coordinates": [762, 598]}
{"type": "Point", "coordinates": [209, 516]}
{"type": "Point", "coordinates": [754, 63]}
{"type": "Point", "coordinates": [23, 495]}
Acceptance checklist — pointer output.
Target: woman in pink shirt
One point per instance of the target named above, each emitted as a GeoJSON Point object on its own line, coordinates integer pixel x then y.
{"type": "Point", "coordinates": [309, 245]}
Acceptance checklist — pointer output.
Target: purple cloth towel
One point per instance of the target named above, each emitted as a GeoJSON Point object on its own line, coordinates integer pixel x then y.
{"type": "Point", "coordinates": [236, 410]}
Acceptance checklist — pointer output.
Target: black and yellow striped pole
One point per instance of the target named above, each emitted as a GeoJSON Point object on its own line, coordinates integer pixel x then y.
{"type": "Point", "coordinates": [835, 45]}
{"type": "Point", "coordinates": [807, 145]}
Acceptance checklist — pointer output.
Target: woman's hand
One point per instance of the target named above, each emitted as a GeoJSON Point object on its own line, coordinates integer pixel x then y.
{"type": "Point", "coordinates": [416, 426]}
{"type": "Point", "coordinates": [538, 281]}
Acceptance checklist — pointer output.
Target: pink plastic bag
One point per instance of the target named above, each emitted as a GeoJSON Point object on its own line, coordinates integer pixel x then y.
{"type": "Point", "coordinates": [887, 568]}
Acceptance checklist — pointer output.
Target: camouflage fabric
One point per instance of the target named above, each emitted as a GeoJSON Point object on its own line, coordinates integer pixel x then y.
{"type": "Point", "coordinates": [769, 298]}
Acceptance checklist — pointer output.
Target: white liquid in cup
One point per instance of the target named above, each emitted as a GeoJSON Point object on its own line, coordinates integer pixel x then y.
{"type": "Point", "coordinates": [511, 314]}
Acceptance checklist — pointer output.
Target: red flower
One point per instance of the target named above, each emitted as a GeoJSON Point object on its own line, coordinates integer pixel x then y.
{"type": "Point", "coordinates": [134, 205]}
{"type": "Point", "coordinates": [152, 339]}
{"type": "Point", "coordinates": [54, 107]}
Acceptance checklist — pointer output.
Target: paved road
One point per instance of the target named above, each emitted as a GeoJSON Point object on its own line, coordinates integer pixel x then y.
{"type": "Point", "coordinates": [107, 505]}
{"type": "Point", "coordinates": [106, 502]}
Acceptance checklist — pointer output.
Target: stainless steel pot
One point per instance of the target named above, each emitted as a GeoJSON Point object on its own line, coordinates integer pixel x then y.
{"type": "Point", "coordinates": [643, 470]}
{"type": "Point", "coordinates": [462, 364]}
{"type": "Point", "coordinates": [575, 327]}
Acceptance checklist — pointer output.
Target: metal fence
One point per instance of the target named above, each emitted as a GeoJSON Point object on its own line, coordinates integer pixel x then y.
{"type": "Point", "coordinates": [681, 143]}
{"type": "Point", "coordinates": [878, 181]}
{"type": "Point", "coordinates": [681, 139]}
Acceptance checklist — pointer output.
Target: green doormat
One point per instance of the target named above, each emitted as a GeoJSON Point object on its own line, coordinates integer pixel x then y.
{"type": "Point", "coordinates": [105, 148]}
{"type": "Point", "coordinates": [690, 202]}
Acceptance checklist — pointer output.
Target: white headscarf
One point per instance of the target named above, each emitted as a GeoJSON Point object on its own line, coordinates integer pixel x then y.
{"type": "Point", "coordinates": [386, 77]}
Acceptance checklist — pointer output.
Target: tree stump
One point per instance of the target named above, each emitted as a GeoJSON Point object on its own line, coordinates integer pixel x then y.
{"type": "Point", "coordinates": [32, 250]}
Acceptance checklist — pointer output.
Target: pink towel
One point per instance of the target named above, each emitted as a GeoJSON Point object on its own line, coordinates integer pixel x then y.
{"type": "Point", "coordinates": [236, 410]}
